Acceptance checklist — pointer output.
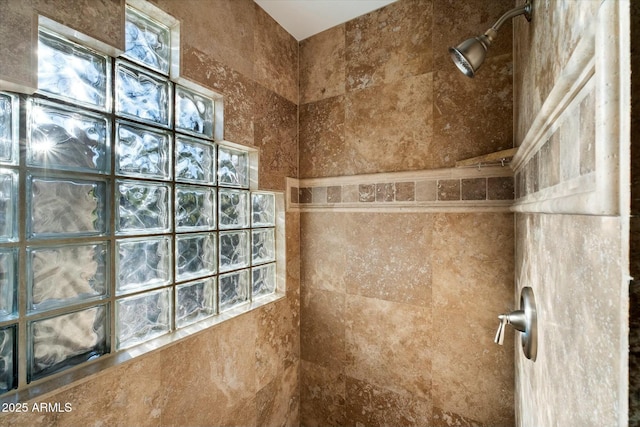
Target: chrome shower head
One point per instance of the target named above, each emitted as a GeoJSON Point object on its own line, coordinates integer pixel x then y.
{"type": "Point", "coordinates": [470, 54]}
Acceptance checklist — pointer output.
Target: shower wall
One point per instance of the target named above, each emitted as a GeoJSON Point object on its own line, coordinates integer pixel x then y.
{"type": "Point", "coordinates": [575, 263]}
{"type": "Point", "coordinates": [399, 309]}
{"type": "Point", "coordinates": [634, 234]}
{"type": "Point", "coordinates": [244, 371]}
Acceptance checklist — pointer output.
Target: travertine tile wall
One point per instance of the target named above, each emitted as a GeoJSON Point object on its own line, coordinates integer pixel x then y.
{"type": "Point", "coordinates": [634, 250]}
{"type": "Point", "coordinates": [398, 310]}
{"type": "Point", "coordinates": [574, 263]}
{"type": "Point", "coordinates": [379, 93]}
{"type": "Point", "coordinates": [398, 317]}
{"type": "Point", "coordinates": [244, 371]}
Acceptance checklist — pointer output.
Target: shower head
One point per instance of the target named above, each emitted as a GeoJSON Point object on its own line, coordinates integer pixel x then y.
{"type": "Point", "coordinates": [469, 55]}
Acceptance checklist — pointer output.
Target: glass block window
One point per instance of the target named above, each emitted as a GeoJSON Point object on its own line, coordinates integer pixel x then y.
{"type": "Point", "coordinates": [67, 138]}
{"type": "Point", "coordinates": [9, 198]}
{"type": "Point", "coordinates": [8, 358]}
{"type": "Point", "coordinates": [59, 342]}
{"type": "Point", "coordinates": [9, 122]}
{"type": "Point", "coordinates": [72, 72]}
{"type": "Point", "coordinates": [147, 41]}
{"type": "Point", "coordinates": [121, 218]}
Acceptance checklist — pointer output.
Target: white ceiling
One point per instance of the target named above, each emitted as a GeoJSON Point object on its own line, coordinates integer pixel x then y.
{"type": "Point", "coordinates": [304, 18]}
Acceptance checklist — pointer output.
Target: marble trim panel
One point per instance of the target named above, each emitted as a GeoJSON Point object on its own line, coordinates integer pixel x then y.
{"type": "Point", "coordinates": [595, 67]}
{"type": "Point", "coordinates": [487, 189]}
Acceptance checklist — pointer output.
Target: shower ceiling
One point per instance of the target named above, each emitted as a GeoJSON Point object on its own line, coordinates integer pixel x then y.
{"type": "Point", "coordinates": [304, 18]}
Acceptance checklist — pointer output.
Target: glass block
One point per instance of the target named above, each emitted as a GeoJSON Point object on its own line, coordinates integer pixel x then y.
{"type": "Point", "coordinates": [143, 317]}
{"type": "Point", "coordinates": [234, 250]}
{"type": "Point", "coordinates": [143, 152]}
{"type": "Point", "coordinates": [195, 161]}
{"type": "Point", "coordinates": [195, 301]}
{"type": "Point", "coordinates": [263, 280]}
{"type": "Point", "coordinates": [195, 208]}
{"type": "Point", "coordinates": [263, 245]}
{"type": "Point", "coordinates": [61, 342]}
{"type": "Point", "coordinates": [8, 205]}
{"type": "Point", "coordinates": [61, 206]}
{"type": "Point", "coordinates": [194, 113]}
{"type": "Point", "coordinates": [67, 138]}
{"type": "Point", "coordinates": [63, 275]}
{"type": "Point", "coordinates": [195, 255]}
{"type": "Point", "coordinates": [233, 208]}
{"type": "Point", "coordinates": [72, 72]}
{"type": "Point", "coordinates": [233, 167]}
{"type": "Point", "coordinates": [143, 264]}
{"type": "Point", "coordinates": [234, 289]}
{"type": "Point", "coordinates": [263, 210]}
{"type": "Point", "coordinates": [143, 207]}
{"type": "Point", "coordinates": [147, 41]}
{"type": "Point", "coordinates": [8, 282]}
{"type": "Point", "coordinates": [142, 95]}
{"type": "Point", "coordinates": [9, 122]}
{"type": "Point", "coordinates": [8, 358]}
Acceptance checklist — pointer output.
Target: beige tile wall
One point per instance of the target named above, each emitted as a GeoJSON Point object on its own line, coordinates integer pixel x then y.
{"type": "Point", "coordinates": [634, 250]}
{"type": "Point", "coordinates": [398, 318]}
{"type": "Point", "coordinates": [399, 309]}
{"type": "Point", "coordinates": [244, 371]}
{"type": "Point", "coordinates": [379, 93]}
{"type": "Point", "coordinates": [576, 264]}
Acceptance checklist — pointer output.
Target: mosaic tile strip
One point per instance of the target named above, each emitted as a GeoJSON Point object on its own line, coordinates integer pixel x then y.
{"type": "Point", "coordinates": [567, 154]}
{"type": "Point", "coordinates": [444, 188]}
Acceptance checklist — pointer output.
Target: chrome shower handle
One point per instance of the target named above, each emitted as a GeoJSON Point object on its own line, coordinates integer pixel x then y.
{"type": "Point", "coordinates": [524, 320]}
{"type": "Point", "coordinates": [515, 318]}
{"type": "Point", "coordinates": [499, 339]}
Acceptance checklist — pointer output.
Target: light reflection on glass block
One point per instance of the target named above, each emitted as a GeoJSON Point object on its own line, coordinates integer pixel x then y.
{"type": "Point", "coordinates": [143, 207]}
{"type": "Point", "coordinates": [195, 161]}
{"type": "Point", "coordinates": [8, 282]}
{"type": "Point", "coordinates": [195, 255]}
{"type": "Point", "coordinates": [234, 250]}
{"type": "Point", "coordinates": [263, 280]}
{"type": "Point", "coordinates": [70, 71]}
{"type": "Point", "coordinates": [195, 208]}
{"type": "Point", "coordinates": [8, 205]}
{"type": "Point", "coordinates": [8, 356]}
{"type": "Point", "coordinates": [61, 342]}
{"type": "Point", "coordinates": [234, 208]}
{"type": "Point", "coordinates": [147, 41]}
{"type": "Point", "coordinates": [263, 210]}
{"type": "Point", "coordinates": [194, 113]}
{"type": "Point", "coordinates": [195, 301]}
{"type": "Point", "coordinates": [234, 289]}
{"type": "Point", "coordinates": [67, 138]}
{"type": "Point", "coordinates": [233, 167]}
{"type": "Point", "coordinates": [63, 275]}
{"type": "Point", "coordinates": [263, 246]}
{"type": "Point", "coordinates": [143, 317]}
{"type": "Point", "coordinates": [142, 95]}
{"type": "Point", "coordinates": [66, 206]}
{"type": "Point", "coordinates": [143, 264]}
{"type": "Point", "coordinates": [142, 151]}
{"type": "Point", "coordinates": [9, 121]}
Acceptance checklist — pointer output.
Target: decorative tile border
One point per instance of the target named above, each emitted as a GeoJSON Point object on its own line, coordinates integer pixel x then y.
{"type": "Point", "coordinates": [558, 169]}
{"type": "Point", "coordinates": [447, 190]}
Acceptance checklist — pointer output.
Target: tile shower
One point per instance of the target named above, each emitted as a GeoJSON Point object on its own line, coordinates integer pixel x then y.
{"type": "Point", "coordinates": [393, 286]}
{"type": "Point", "coordinates": [398, 308]}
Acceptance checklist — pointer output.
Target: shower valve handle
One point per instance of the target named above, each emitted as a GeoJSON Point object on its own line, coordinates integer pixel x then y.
{"type": "Point", "coordinates": [499, 339]}
{"type": "Point", "coordinates": [515, 319]}
{"type": "Point", "coordinates": [524, 320]}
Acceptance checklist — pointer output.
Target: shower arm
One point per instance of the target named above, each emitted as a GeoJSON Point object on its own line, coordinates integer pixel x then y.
{"type": "Point", "coordinates": [525, 10]}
